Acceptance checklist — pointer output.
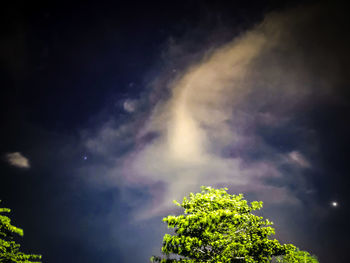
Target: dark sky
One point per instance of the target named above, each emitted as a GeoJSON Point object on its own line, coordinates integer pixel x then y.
{"type": "Point", "coordinates": [110, 110]}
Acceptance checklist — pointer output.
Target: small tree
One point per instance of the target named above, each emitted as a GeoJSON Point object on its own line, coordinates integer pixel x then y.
{"type": "Point", "coordinates": [297, 256]}
{"type": "Point", "coordinates": [219, 227]}
{"type": "Point", "coordinates": [9, 249]}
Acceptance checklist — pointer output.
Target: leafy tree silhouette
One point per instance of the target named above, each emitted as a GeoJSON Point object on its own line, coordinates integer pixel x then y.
{"type": "Point", "coordinates": [219, 227]}
{"type": "Point", "coordinates": [9, 249]}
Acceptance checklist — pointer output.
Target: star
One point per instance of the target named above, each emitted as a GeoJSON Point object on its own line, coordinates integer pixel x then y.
{"type": "Point", "coordinates": [334, 204]}
{"type": "Point", "coordinates": [84, 157]}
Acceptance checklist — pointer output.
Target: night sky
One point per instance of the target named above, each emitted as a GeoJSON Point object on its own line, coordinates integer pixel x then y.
{"type": "Point", "coordinates": [111, 110]}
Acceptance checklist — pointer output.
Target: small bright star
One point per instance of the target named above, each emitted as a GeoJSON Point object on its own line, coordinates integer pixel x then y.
{"type": "Point", "coordinates": [334, 204]}
{"type": "Point", "coordinates": [85, 157]}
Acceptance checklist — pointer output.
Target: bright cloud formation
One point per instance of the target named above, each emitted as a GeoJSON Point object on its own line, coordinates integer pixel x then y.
{"type": "Point", "coordinates": [130, 105]}
{"type": "Point", "coordinates": [220, 123]}
{"type": "Point", "coordinates": [17, 159]}
{"type": "Point", "coordinates": [299, 159]}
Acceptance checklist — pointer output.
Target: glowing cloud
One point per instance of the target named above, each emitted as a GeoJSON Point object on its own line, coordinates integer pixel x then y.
{"type": "Point", "coordinates": [201, 124]}
{"type": "Point", "coordinates": [218, 125]}
{"type": "Point", "coordinates": [17, 159]}
{"type": "Point", "coordinates": [299, 159]}
{"type": "Point", "coordinates": [130, 105]}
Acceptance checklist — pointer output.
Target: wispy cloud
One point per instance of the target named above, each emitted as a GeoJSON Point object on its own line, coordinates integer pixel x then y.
{"type": "Point", "coordinates": [17, 159]}
{"type": "Point", "coordinates": [222, 122]}
{"type": "Point", "coordinates": [299, 159]}
{"type": "Point", "coordinates": [130, 105]}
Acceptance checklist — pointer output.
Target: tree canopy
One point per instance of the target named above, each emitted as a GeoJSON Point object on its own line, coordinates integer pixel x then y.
{"type": "Point", "coordinates": [297, 256]}
{"type": "Point", "coordinates": [220, 227]}
{"type": "Point", "coordinates": [9, 249]}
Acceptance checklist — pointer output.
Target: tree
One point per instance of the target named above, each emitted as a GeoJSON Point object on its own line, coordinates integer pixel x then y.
{"type": "Point", "coordinates": [219, 227]}
{"type": "Point", "coordinates": [298, 256]}
{"type": "Point", "coordinates": [9, 249]}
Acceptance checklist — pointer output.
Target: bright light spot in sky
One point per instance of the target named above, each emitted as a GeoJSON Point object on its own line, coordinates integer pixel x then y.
{"type": "Point", "coordinates": [334, 204]}
{"type": "Point", "coordinates": [85, 157]}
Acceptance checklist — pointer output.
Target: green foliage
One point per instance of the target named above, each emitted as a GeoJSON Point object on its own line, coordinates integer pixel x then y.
{"type": "Point", "coordinates": [219, 227]}
{"type": "Point", "coordinates": [9, 249]}
{"type": "Point", "coordinates": [297, 256]}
